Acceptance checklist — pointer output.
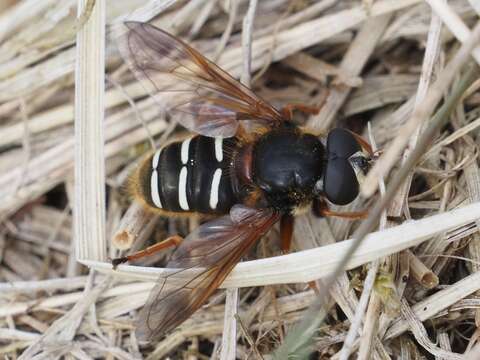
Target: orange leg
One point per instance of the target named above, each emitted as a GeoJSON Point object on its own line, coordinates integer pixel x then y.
{"type": "Point", "coordinates": [287, 110]}
{"type": "Point", "coordinates": [168, 242]}
{"type": "Point", "coordinates": [286, 232]}
{"type": "Point", "coordinates": [352, 215]}
{"type": "Point", "coordinates": [320, 208]}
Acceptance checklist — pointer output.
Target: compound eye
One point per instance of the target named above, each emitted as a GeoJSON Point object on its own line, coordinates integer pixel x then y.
{"type": "Point", "coordinates": [340, 182]}
{"type": "Point", "coordinates": [341, 143]}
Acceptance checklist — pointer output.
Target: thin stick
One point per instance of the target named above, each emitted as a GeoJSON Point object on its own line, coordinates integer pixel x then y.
{"type": "Point", "coordinates": [135, 223]}
{"type": "Point", "coordinates": [229, 336]}
{"type": "Point", "coordinates": [66, 284]}
{"type": "Point", "coordinates": [247, 42]}
{"type": "Point", "coordinates": [147, 11]}
{"type": "Point", "coordinates": [85, 15]}
{"type": "Point", "coordinates": [138, 113]}
{"type": "Point", "coordinates": [444, 342]}
{"type": "Point", "coordinates": [26, 144]}
{"type": "Point", "coordinates": [89, 206]}
{"type": "Point", "coordinates": [228, 30]}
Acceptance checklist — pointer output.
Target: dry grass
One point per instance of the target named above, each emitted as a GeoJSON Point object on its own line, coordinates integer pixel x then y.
{"type": "Point", "coordinates": [410, 290]}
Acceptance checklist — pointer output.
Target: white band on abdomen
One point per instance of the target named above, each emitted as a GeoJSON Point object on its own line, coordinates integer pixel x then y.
{"type": "Point", "coordinates": [215, 188]}
{"type": "Point", "coordinates": [155, 159]}
{"type": "Point", "coordinates": [184, 150]}
{"type": "Point", "coordinates": [219, 149]}
{"type": "Point", "coordinates": [182, 189]}
{"type": "Point", "coordinates": [154, 189]}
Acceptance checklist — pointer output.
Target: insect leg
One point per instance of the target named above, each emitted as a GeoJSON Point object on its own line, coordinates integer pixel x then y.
{"type": "Point", "coordinates": [287, 223]}
{"type": "Point", "coordinates": [287, 110]}
{"type": "Point", "coordinates": [168, 242]}
{"type": "Point", "coordinates": [320, 209]}
{"type": "Point", "coordinates": [353, 215]}
{"type": "Point", "coordinates": [286, 232]}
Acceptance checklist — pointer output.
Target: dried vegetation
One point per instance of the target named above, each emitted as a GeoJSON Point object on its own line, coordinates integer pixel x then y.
{"type": "Point", "coordinates": [412, 291]}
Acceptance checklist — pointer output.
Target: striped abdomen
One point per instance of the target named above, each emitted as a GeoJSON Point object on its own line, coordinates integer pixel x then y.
{"type": "Point", "coordinates": [190, 175]}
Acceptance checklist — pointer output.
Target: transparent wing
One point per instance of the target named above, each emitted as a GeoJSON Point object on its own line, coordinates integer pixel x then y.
{"type": "Point", "coordinates": [203, 97]}
{"type": "Point", "coordinates": [215, 247]}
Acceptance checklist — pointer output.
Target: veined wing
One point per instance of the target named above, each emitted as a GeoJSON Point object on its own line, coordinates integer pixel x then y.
{"type": "Point", "coordinates": [203, 97]}
{"type": "Point", "coordinates": [216, 247]}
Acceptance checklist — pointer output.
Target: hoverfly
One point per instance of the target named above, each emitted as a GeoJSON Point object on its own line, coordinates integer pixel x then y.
{"type": "Point", "coordinates": [250, 179]}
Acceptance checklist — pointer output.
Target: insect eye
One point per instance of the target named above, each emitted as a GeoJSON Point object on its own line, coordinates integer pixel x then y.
{"type": "Point", "coordinates": [341, 143]}
{"type": "Point", "coordinates": [340, 182]}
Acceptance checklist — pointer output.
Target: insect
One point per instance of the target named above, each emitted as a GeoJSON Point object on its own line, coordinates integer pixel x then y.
{"type": "Point", "coordinates": [250, 178]}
